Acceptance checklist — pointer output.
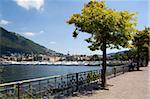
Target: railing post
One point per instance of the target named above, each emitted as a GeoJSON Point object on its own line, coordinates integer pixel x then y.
{"type": "Point", "coordinates": [123, 69]}
{"type": "Point", "coordinates": [30, 88]}
{"type": "Point", "coordinates": [68, 83]}
{"type": "Point", "coordinates": [114, 71]}
{"type": "Point", "coordinates": [55, 85]}
{"type": "Point", "coordinates": [19, 90]}
{"type": "Point", "coordinates": [77, 81]}
{"type": "Point", "coordinates": [40, 88]}
{"type": "Point", "coordinates": [100, 75]}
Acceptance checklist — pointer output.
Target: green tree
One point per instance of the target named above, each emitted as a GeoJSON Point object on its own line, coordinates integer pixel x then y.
{"type": "Point", "coordinates": [132, 54]}
{"type": "Point", "coordinates": [95, 58]}
{"type": "Point", "coordinates": [141, 43]}
{"type": "Point", "coordinates": [108, 28]}
{"type": "Point", "coordinates": [117, 56]}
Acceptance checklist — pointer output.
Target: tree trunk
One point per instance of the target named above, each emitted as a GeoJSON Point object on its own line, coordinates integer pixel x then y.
{"type": "Point", "coordinates": [147, 56]}
{"type": "Point", "coordinates": [103, 71]}
{"type": "Point", "coordinates": [138, 58]}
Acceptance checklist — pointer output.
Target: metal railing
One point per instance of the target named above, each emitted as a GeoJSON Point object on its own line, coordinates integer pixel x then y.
{"type": "Point", "coordinates": [49, 86]}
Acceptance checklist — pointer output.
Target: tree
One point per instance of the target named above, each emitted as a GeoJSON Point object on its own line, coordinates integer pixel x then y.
{"type": "Point", "coordinates": [141, 43]}
{"type": "Point", "coordinates": [95, 58]}
{"type": "Point", "coordinates": [108, 28]}
{"type": "Point", "coordinates": [117, 56]}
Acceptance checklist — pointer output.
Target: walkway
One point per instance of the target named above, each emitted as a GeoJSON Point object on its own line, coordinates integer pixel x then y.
{"type": "Point", "coordinates": [131, 85]}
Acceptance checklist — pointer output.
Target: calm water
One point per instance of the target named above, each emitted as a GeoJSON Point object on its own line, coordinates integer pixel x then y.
{"type": "Point", "coordinates": [22, 72]}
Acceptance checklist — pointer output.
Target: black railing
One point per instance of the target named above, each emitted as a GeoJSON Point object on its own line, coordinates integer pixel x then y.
{"type": "Point", "coordinates": [50, 86]}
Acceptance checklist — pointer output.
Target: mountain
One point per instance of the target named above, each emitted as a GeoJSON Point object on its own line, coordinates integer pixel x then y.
{"type": "Point", "coordinates": [119, 53]}
{"type": "Point", "coordinates": [11, 42]}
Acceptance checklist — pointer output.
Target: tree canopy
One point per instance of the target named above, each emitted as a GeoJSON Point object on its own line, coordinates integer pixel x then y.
{"type": "Point", "coordinates": [99, 21]}
{"type": "Point", "coordinates": [141, 38]}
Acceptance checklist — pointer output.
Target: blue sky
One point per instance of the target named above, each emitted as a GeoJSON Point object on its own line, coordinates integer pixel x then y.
{"type": "Point", "coordinates": [43, 21]}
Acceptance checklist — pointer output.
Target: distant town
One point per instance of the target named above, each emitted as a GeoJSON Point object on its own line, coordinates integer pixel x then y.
{"type": "Point", "coordinates": [51, 58]}
{"type": "Point", "coordinates": [68, 59]}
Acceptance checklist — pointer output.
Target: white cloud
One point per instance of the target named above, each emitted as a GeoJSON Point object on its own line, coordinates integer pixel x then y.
{"type": "Point", "coordinates": [52, 42]}
{"type": "Point", "coordinates": [29, 34]}
{"type": "Point", "coordinates": [41, 32]}
{"type": "Point", "coordinates": [4, 22]}
{"type": "Point", "coordinates": [29, 4]}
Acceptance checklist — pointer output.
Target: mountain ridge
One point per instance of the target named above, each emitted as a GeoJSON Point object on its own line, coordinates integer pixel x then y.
{"type": "Point", "coordinates": [11, 42]}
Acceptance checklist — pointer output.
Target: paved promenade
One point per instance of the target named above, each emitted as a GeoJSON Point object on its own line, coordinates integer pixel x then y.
{"type": "Point", "coordinates": [131, 85]}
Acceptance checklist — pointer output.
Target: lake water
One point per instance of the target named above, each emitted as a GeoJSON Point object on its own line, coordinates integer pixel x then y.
{"type": "Point", "coordinates": [21, 72]}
